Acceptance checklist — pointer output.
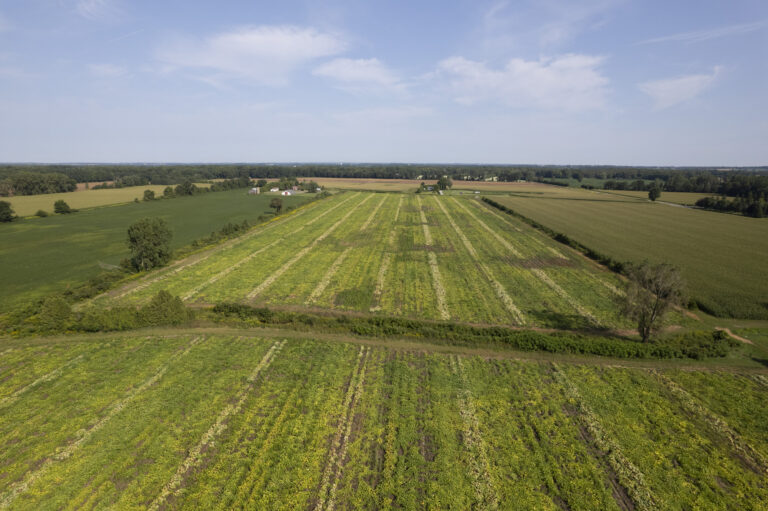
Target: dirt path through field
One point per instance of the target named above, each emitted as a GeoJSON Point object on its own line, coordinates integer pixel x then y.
{"type": "Point", "coordinates": [731, 334]}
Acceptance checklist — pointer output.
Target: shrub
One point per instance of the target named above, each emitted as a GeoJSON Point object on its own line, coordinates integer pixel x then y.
{"type": "Point", "coordinates": [41, 213]}
{"type": "Point", "coordinates": [62, 207]}
{"type": "Point", "coordinates": [54, 314]}
{"type": "Point", "coordinates": [164, 309]}
{"type": "Point", "coordinates": [6, 211]}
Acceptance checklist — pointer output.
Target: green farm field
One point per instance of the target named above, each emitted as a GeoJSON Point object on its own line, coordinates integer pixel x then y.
{"type": "Point", "coordinates": [196, 421]}
{"type": "Point", "coordinates": [428, 257]}
{"type": "Point", "coordinates": [723, 258]}
{"type": "Point", "coordinates": [44, 255]}
{"type": "Point", "coordinates": [683, 198]}
{"type": "Point", "coordinates": [28, 205]}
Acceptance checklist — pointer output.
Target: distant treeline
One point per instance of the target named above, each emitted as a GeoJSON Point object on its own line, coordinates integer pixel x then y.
{"type": "Point", "coordinates": [747, 207]}
{"type": "Point", "coordinates": [35, 183]}
{"type": "Point", "coordinates": [738, 183]}
{"type": "Point", "coordinates": [749, 186]}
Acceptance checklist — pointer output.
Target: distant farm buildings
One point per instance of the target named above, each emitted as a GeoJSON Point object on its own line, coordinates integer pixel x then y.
{"type": "Point", "coordinates": [287, 192]}
{"type": "Point", "coordinates": [254, 191]}
{"type": "Point", "coordinates": [275, 189]}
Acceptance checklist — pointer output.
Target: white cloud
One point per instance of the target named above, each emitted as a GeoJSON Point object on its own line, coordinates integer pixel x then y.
{"type": "Point", "coordinates": [108, 70]}
{"type": "Point", "coordinates": [569, 82]}
{"type": "Point", "coordinates": [265, 54]}
{"type": "Point", "coordinates": [714, 33]}
{"type": "Point", "coordinates": [672, 91]}
{"type": "Point", "coordinates": [99, 10]}
{"type": "Point", "coordinates": [360, 75]}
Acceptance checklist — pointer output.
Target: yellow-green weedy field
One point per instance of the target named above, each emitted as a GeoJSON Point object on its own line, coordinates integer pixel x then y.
{"type": "Point", "coordinates": [192, 421]}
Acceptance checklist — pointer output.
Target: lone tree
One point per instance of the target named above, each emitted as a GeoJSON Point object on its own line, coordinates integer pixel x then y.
{"type": "Point", "coordinates": [654, 193]}
{"type": "Point", "coordinates": [277, 204]}
{"type": "Point", "coordinates": [61, 207]}
{"type": "Point", "coordinates": [444, 183]}
{"type": "Point", "coordinates": [149, 240]}
{"type": "Point", "coordinates": [650, 292]}
{"type": "Point", "coordinates": [149, 195]}
{"type": "Point", "coordinates": [6, 211]}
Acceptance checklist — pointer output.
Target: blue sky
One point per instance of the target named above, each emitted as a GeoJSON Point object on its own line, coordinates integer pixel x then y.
{"type": "Point", "coordinates": [629, 82]}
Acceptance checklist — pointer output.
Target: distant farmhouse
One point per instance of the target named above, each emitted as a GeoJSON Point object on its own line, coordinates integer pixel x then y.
{"type": "Point", "coordinates": [254, 191]}
{"type": "Point", "coordinates": [275, 189]}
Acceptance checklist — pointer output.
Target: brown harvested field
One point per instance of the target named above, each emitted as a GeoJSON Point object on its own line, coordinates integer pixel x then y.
{"type": "Point", "coordinates": [400, 185]}
{"type": "Point", "coordinates": [387, 185]}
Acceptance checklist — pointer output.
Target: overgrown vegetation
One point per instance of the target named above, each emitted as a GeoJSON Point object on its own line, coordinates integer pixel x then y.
{"type": "Point", "coordinates": [695, 344]}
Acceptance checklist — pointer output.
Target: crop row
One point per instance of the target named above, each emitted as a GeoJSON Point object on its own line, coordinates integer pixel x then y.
{"type": "Point", "coordinates": [420, 256]}
{"type": "Point", "coordinates": [223, 422]}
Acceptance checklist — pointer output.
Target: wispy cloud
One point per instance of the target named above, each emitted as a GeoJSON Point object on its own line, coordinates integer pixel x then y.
{"type": "Point", "coordinates": [713, 33]}
{"type": "Point", "coordinates": [99, 10]}
{"type": "Point", "coordinates": [569, 82]}
{"type": "Point", "coordinates": [673, 91]}
{"type": "Point", "coordinates": [264, 54]}
{"type": "Point", "coordinates": [569, 18]}
{"type": "Point", "coordinates": [361, 75]}
{"type": "Point", "coordinates": [108, 70]}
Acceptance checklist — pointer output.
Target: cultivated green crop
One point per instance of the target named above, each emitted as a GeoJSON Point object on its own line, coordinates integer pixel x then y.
{"type": "Point", "coordinates": [723, 258]}
{"type": "Point", "coordinates": [46, 255]}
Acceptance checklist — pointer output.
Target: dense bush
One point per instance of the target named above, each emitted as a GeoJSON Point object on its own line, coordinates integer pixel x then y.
{"type": "Point", "coordinates": [757, 208]}
{"type": "Point", "coordinates": [6, 211]}
{"type": "Point", "coordinates": [62, 207]}
{"type": "Point", "coordinates": [694, 345]}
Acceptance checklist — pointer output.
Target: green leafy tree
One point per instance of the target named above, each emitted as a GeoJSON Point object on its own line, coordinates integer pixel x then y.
{"type": "Point", "coordinates": [276, 204]}
{"type": "Point", "coordinates": [149, 240]}
{"type": "Point", "coordinates": [149, 195]}
{"type": "Point", "coordinates": [654, 193]}
{"type": "Point", "coordinates": [444, 183]}
{"type": "Point", "coordinates": [6, 211]}
{"type": "Point", "coordinates": [261, 183]}
{"type": "Point", "coordinates": [650, 292]}
{"type": "Point", "coordinates": [61, 207]}
{"type": "Point", "coordinates": [168, 193]}
{"type": "Point", "coordinates": [186, 188]}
